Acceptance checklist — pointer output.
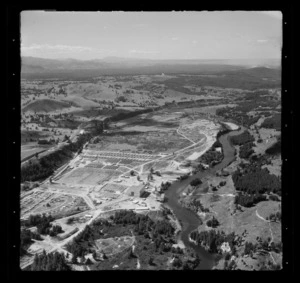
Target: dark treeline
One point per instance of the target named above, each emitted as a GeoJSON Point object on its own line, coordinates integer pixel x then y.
{"type": "Point", "coordinates": [165, 186]}
{"type": "Point", "coordinates": [37, 219]}
{"type": "Point", "coordinates": [253, 182]}
{"type": "Point", "coordinates": [246, 150]}
{"type": "Point", "coordinates": [46, 165]}
{"type": "Point", "coordinates": [273, 122]}
{"type": "Point", "coordinates": [211, 157]}
{"type": "Point", "coordinates": [245, 141]}
{"type": "Point", "coordinates": [248, 200]}
{"type": "Point", "coordinates": [265, 245]}
{"type": "Point", "coordinates": [256, 180]}
{"type": "Point", "coordinates": [223, 131]}
{"type": "Point", "coordinates": [258, 100]}
{"type": "Point", "coordinates": [275, 148]}
{"type": "Point", "coordinates": [43, 224]}
{"type": "Point", "coordinates": [212, 222]}
{"type": "Point", "coordinates": [26, 240]}
{"type": "Point", "coordinates": [127, 115]}
{"type": "Point", "coordinates": [212, 240]}
{"type": "Point", "coordinates": [196, 182]}
{"type": "Point", "coordinates": [275, 217]}
{"type": "Point", "coordinates": [243, 138]}
{"type": "Point", "coordinates": [196, 206]}
{"type": "Point", "coordinates": [50, 262]}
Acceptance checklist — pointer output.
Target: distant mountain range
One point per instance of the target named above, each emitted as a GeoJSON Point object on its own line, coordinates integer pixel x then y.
{"type": "Point", "coordinates": [33, 64]}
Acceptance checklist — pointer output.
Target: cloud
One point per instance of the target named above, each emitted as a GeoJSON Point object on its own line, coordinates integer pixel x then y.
{"type": "Point", "coordinates": [134, 51]}
{"type": "Point", "coordinates": [175, 38]}
{"type": "Point", "coordinates": [195, 41]}
{"type": "Point", "coordinates": [60, 48]}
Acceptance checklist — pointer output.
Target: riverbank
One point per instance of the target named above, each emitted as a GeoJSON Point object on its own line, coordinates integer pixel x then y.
{"type": "Point", "coordinates": [189, 218]}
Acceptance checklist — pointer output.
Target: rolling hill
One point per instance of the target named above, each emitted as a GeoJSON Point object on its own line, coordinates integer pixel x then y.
{"type": "Point", "coordinates": [46, 105]}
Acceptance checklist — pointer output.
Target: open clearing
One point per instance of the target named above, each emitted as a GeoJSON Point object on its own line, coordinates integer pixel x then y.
{"type": "Point", "coordinates": [112, 246]}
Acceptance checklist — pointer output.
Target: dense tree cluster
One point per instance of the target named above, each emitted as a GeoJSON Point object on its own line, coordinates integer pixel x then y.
{"type": "Point", "coordinates": [212, 240]}
{"type": "Point", "coordinates": [274, 217]}
{"type": "Point", "coordinates": [253, 101]}
{"type": "Point", "coordinates": [254, 180]}
{"type": "Point", "coordinates": [47, 164]}
{"type": "Point", "coordinates": [37, 219]}
{"type": "Point", "coordinates": [50, 262]}
{"type": "Point", "coordinates": [250, 248]}
{"type": "Point", "coordinates": [196, 182]}
{"type": "Point", "coordinates": [217, 143]}
{"type": "Point", "coordinates": [43, 224]}
{"type": "Point", "coordinates": [121, 99]}
{"type": "Point", "coordinates": [183, 177]}
{"type": "Point", "coordinates": [212, 222]}
{"type": "Point", "coordinates": [248, 200]}
{"type": "Point", "coordinates": [275, 148]}
{"type": "Point", "coordinates": [274, 198]}
{"type": "Point", "coordinates": [26, 239]}
{"type": "Point", "coordinates": [224, 130]}
{"type": "Point", "coordinates": [243, 138]}
{"type": "Point", "coordinates": [273, 122]}
{"type": "Point", "coordinates": [196, 206]}
{"type": "Point", "coordinates": [229, 265]}
{"type": "Point", "coordinates": [211, 157]}
{"type": "Point", "coordinates": [266, 245]}
{"type": "Point", "coordinates": [246, 150]}
{"type": "Point", "coordinates": [126, 115]}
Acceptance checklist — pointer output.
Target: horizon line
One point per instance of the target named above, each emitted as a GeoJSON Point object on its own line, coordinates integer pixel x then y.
{"type": "Point", "coordinates": [150, 59]}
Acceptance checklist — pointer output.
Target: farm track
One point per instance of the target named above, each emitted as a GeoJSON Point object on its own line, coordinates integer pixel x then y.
{"type": "Point", "coordinates": [184, 136]}
{"type": "Point", "coordinates": [271, 232]}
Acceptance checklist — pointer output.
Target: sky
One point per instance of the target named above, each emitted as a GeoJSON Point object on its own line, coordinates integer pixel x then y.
{"type": "Point", "coordinates": [152, 35]}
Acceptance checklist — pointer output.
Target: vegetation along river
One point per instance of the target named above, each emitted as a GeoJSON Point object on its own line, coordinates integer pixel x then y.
{"type": "Point", "coordinates": [188, 218]}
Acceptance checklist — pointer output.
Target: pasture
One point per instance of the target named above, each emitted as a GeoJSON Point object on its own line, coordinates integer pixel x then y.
{"type": "Point", "coordinates": [112, 246]}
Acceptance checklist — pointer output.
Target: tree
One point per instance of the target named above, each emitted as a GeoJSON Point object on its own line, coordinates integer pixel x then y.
{"type": "Point", "coordinates": [104, 255]}
{"type": "Point", "coordinates": [195, 182]}
{"type": "Point", "coordinates": [150, 261]}
{"type": "Point", "coordinates": [74, 259]}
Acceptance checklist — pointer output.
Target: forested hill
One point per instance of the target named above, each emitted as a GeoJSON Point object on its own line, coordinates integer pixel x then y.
{"type": "Point", "coordinates": [258, 72]}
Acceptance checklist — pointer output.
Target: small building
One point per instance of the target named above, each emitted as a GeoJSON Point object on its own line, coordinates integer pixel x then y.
{"type": "Point", "coordinates": [136, 191]}
{"type": "Point", "coordinates": [142, 208]}
{"type": "Point", "coordinates": [219, 149]}
{"type": "Point", "coordinates": [204, 166]}
{"type": "Point", "coordinates": [161, 198]}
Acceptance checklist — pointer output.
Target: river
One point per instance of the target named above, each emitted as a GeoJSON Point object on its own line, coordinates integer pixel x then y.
{"type": "Point", "coordinates": [188, 218]}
